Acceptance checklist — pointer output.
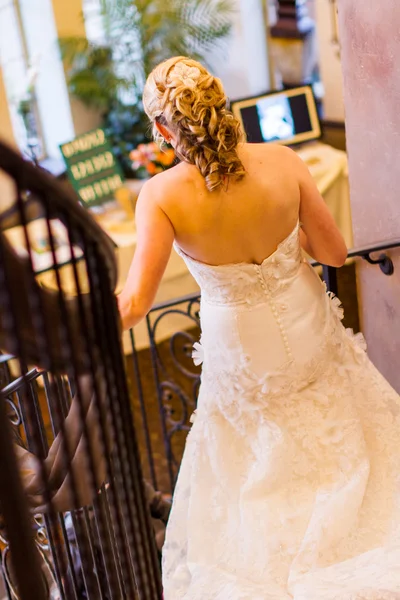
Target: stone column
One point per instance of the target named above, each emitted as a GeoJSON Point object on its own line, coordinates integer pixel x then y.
{"type": "Point", "coordinates": [370, 42]}
{"type": "Point", "coordinates": [329, 60]}
{"type": "Point", "coordinates": [6, 131]}
{"type": "Point", "coordinates": [7, 192]}
{"type": "Point", "coordinates": [255, 33]}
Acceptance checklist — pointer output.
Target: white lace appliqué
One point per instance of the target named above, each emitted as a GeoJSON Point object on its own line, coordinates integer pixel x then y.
{"type": "Point", "coordinates": [240, 284]}
{"type": "Point", "coordinates": [198, 354]}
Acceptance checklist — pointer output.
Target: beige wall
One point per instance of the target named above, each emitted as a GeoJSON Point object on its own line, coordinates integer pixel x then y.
{"type": "Point", "coordinates": [6, 132]}
{"type": "Point", "coordinates": [69, 22]}
{"type": "Point", "coordinates": [371, 70]}
{"type": "Point", "coordinates": [68, 17]}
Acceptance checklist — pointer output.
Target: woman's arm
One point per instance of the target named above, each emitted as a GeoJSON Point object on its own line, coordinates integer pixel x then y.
{"type": "Point", "coordinates": [320, 236]}
{"type": "Point", "coordinates": [155, 236]}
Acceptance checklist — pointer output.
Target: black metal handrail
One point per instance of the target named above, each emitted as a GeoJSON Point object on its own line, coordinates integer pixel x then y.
{"type": "Point", "coordinates": [366, 251]}
{"type": "Point", "coordinates": [15, 385]}
{"type": "Point", "coordinates": [378, 246]}
{"type": "Point", "coordinates": [362, 252]}
{"type": "Point", "coordinates": [384, 261]}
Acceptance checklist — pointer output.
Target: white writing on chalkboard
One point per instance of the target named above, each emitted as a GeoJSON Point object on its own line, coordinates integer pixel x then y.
{"type": "Point", "coordinates": [93, 165]}
{"type": "Point", "coordinates": [84, 143]}
{"type": "Point", "coordinates": [101, 188]}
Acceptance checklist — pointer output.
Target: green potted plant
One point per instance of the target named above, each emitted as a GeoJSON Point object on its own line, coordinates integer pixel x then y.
{"type": "Point", "coordinates": [139, 34]}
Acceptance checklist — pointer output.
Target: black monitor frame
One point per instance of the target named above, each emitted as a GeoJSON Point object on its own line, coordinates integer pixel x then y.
{"type": "Point", "coordinates": [316, 130]}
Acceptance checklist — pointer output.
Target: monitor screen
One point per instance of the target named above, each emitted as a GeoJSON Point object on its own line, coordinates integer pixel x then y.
{"type": "Point", "coordinates": [287, 117]}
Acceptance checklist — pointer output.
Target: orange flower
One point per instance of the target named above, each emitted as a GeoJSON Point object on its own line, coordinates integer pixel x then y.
{"type": "Point", "coordinates": [151, 157]}
{"type": "Point", "coordinates": [151, 168]}
{"type": "Point", "coordinates": [135, 155]}
{"type": "Point", "coordinates": [167, 157]}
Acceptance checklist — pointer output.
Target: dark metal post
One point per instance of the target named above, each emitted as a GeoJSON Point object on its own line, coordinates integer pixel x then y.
{"type": "Point", "coordinates": [329, 275]}
{"type": "Point", "coordinates": [16, 518]}
{"type": "Point", "coordinates": [293, 20]}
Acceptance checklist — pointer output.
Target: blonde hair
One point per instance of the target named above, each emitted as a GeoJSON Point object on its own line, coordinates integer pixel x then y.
{"type": "Point", "coordinates": [182, 95]}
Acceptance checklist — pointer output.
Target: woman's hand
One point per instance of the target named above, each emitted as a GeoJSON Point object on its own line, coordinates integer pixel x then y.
{"type": "Point", "coordinates": [124, 312]}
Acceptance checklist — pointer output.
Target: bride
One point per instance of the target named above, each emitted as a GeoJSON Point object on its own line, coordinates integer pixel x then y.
{"type": "Point", "coordinates": [290, 481]}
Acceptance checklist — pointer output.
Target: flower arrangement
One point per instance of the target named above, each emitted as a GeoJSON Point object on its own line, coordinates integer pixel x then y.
{"type": "Point", "coordinates": [148, 159]}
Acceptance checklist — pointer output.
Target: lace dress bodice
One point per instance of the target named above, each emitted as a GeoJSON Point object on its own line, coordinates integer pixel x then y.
{"type": "Point", "coordinates": [267, 329]}
{"type": "Point", "coordinates": [248, 284]}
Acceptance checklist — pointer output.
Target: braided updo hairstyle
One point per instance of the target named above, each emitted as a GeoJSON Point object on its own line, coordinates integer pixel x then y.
{"type": "Point", "coordinates": [183, 96]}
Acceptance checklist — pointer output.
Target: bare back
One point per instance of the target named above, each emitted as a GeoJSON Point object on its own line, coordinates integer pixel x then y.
{"type": "Point", "coordinates": [243, 221]}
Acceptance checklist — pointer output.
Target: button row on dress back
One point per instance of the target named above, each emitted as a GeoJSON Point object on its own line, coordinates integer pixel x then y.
{"type": "Point", "coordinates": [274, 311]}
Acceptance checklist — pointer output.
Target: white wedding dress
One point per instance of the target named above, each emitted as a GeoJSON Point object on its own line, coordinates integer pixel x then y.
{"type": "Point", "coordinates": [290, 482]}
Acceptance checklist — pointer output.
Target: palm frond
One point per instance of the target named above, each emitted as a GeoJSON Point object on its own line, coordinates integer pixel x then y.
{"type": "Point", "coordinates": [140, 34]}
{"type": "Point", "coordinates": [72, 48]}
{"type": "Point", "coordinates": [183, 27]}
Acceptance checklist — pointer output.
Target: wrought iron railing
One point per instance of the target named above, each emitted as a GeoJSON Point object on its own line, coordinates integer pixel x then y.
{"type": "Point", "coordinates": [79, 557]}
{"type": "Point", "coordinates": [95, 540]}
{"type": "Point", "coordinates": [63, 572]}
{"type": "Point", "coordinates": [173, 395]}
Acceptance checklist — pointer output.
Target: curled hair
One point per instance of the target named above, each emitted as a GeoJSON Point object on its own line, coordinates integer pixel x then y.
{"type": "Point", "coordinates": [182, 95]}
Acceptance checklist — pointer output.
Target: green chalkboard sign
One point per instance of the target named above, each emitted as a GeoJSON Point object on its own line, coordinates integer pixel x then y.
{"type": "Point", "coordinates": [92, 168]}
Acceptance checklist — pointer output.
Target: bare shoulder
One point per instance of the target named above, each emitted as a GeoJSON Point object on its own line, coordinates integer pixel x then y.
{"type": "Point", "coordinates": [159, 186]}
{"type": "Point", "coordinates": [274, 163]}
{"type": "Point", "coordinates": [278, 150]}
{"type": "Point", "coordinates": [165, 189]}
{"type": "Point", "coordinates": [288, 156]}
{"type": "Point", "coordinates": [272, 153]}
{"type": "Point", "coordinates": [163, 184]}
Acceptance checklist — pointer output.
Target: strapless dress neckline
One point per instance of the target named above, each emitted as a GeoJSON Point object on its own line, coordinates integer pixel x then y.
{"type": "Point", "coordinates": [188, 257]}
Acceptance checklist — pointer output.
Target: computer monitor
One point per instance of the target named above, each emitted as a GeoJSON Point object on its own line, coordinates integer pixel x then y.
{"type": "Point", "coordinates": [286, 117]}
